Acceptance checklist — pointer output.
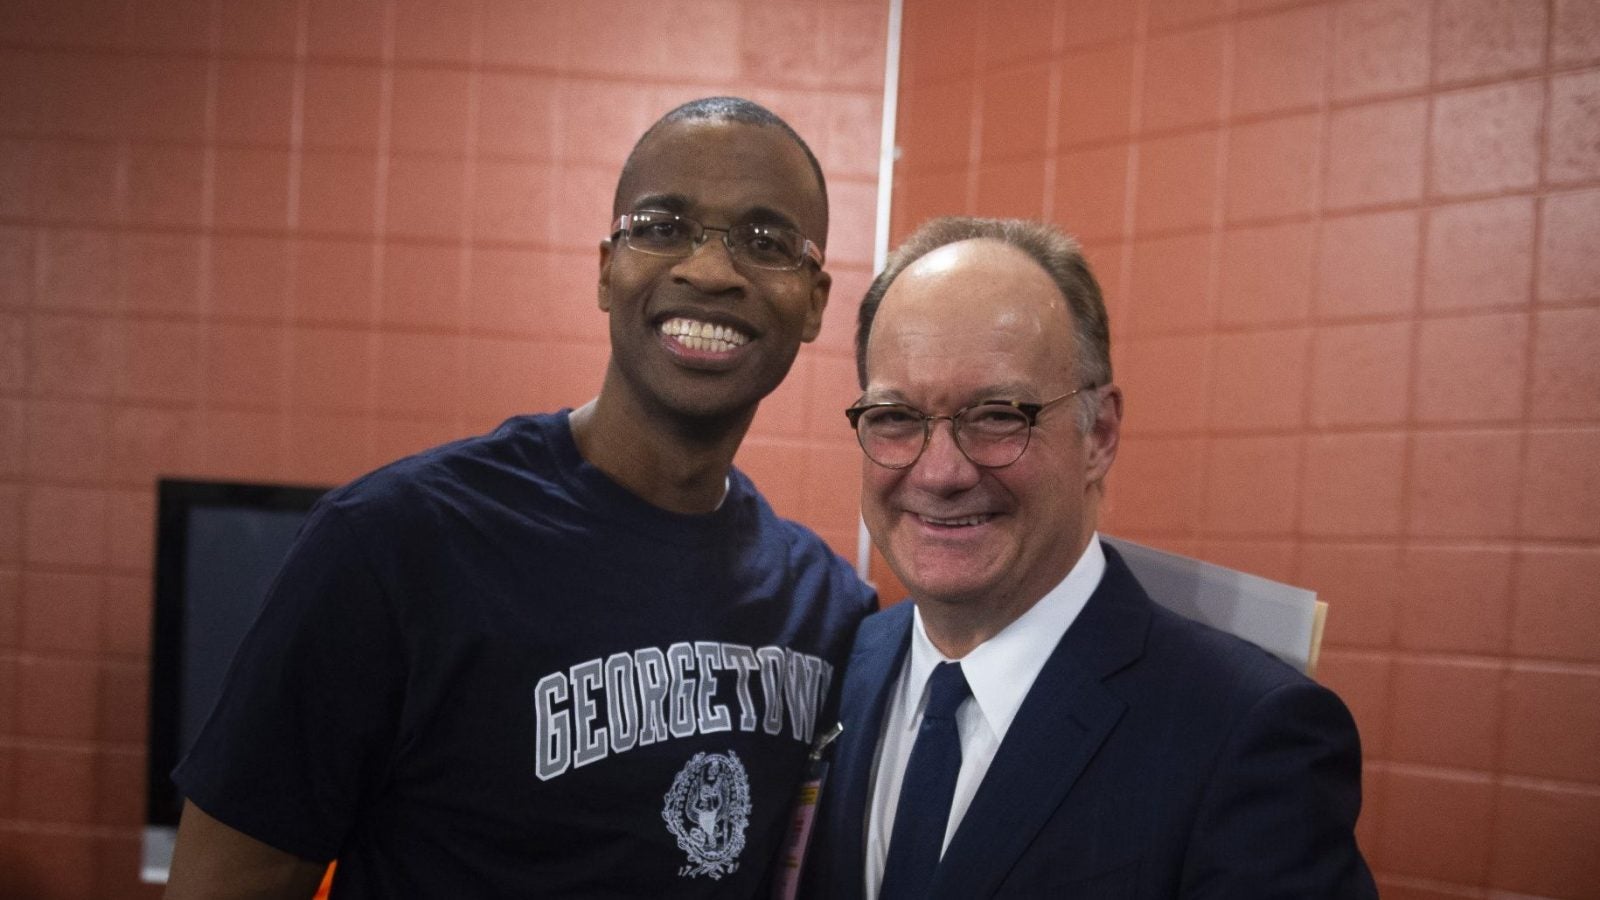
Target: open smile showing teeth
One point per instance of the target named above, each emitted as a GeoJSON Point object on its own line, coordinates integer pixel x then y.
{"type": "Point", "coordinates": [956, 522]}
{"type": "Point", "coordinates": [703, 336]}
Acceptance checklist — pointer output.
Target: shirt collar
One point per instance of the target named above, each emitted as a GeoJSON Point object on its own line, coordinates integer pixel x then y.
{"type": "Point", "coordinates": [1001, 670]}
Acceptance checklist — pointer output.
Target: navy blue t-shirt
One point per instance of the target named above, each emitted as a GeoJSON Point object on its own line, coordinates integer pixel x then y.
{"type": "Point", "coordinates": [488, 670]}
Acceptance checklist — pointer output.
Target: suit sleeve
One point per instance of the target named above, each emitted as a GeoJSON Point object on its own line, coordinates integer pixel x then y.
{"type": "Point", "coordinates": [1278, 819]}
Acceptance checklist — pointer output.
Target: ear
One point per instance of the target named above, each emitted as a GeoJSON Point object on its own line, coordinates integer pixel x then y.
{"type": "Point", "coordinates": [818, 302]}
{"type": "Point", "coordinates": [1104, 436]}
{"type": "Point", "coordinates": [604, 289]}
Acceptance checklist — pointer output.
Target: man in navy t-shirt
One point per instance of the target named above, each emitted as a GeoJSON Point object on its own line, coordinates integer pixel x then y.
{"type": "Point", "coordinates": [580, 655]}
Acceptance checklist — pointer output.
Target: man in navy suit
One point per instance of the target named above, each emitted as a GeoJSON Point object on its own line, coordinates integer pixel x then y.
{"type": "Point", "coordinates": [1033, 725]}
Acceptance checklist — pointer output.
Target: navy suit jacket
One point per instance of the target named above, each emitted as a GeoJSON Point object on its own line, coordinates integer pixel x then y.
{"type": "Point", "coordinates": [1153, 757]}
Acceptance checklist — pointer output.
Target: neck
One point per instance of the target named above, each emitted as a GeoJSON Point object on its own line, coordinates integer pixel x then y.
{"type": "Point", "coordinates": [678, 466]}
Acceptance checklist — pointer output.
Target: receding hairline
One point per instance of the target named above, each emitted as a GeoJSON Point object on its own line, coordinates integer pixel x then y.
{"type": "Point", "coordinates": [1053, 250]}
{"type": "Point", "coordinates": [993, 248]}
{"type": "Point", "coordinates": [987, 258]}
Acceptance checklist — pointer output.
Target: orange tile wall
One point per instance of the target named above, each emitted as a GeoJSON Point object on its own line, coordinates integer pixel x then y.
{"type": "Point", "coordinates": [290, 240]}
{"type": "Point", "coordinates": [1352, 255]}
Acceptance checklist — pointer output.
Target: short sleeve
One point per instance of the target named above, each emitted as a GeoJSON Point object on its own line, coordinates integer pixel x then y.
{"type": "Point", "coordinates": [303, 734]}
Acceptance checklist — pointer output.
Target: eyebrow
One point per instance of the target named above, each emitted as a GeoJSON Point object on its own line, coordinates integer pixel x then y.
{"type": "Point", "coordinates": [673, 203]}
{"type": "Point", "coordinates": [995, 393]}
{"type": "Point", "coordinates": [680, 205]}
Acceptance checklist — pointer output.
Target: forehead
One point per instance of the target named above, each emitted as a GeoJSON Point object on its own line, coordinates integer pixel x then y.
{"type": "Point", "coordinates": [729, 169]}
{"type": "Point", "coordinates": [973, 316]}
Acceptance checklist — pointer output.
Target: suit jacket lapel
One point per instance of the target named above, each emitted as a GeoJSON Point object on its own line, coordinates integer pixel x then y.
{"type": "Point", "coordinates": [1065, 717]}
{"type": "Point", "coordinates": [874, 663]}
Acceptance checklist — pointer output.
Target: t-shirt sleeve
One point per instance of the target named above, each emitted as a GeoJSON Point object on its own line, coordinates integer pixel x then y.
{"type": "Point", "coordinates": [304, 731]}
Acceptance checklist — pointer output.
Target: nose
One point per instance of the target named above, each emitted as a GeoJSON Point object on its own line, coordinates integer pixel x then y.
{"type": "Point", "coordinates": [942, 468]}
{"type": "Point", "coordinates": [709, 267]}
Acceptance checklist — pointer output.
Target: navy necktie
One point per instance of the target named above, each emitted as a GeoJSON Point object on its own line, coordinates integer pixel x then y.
{"type": "Point", "coordinates": [925, 791]}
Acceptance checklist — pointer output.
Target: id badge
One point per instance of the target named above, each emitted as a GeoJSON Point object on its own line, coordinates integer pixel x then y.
{"type": "Point", "coordinates": [798, 839]}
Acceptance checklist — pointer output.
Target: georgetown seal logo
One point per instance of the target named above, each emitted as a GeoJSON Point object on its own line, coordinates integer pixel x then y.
{"type": "Point", "coordinates": [707, 810]}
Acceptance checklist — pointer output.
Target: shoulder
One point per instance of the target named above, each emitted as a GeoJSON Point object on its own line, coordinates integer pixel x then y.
{"type": "Point", "coordinates": [809, 556]}
{"type": "Point", "coordinates": [1225, 712]}
{"type": "Point", "coordinates": [1177, 670]}
{"type": "Point", "coordinates": [509, 460]}
{"type": "Point", "coordinates": [1225, 660]}
{"type": "Point", "coordinates": [1211, 682]}
{"type": "Point", "coordinates": [885, 630]}
{"type": "Point", "coordinates": [1166, 644]}
{"type": "Point", "coordinates": [1230, 699]}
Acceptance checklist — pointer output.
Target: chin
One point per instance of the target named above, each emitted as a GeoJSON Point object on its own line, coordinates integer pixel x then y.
{"type": "Point", "coordinates": [717, 398]}
{"type": "Point", "coordinates": [957, 587]}
{"type": "Point", "coordinates": [960, 569]}
{"type": "Point", "coordinates": [954, 596]}
{"type": "Point", "coordinates": [704, 404]}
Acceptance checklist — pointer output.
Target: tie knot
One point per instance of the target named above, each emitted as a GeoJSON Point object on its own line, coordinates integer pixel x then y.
{"type": "Point", "coordinates": [947, 688]}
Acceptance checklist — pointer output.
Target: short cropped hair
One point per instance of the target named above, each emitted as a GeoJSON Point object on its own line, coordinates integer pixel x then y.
{"type": "Point", "coordinates": [730, 109]}
{"type": "Point", "coordinates": [1057, 253]}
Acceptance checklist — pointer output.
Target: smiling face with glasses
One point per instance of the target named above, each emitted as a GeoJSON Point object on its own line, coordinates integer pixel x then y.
{"type": "Point", "coordinates": [979, 481]}
{"type": "Point", "coordinates": [710, 273]}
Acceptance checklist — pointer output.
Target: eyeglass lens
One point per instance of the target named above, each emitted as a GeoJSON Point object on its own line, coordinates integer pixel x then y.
{"type": "Point", "coordinates": [990, 435]}
{"type": "Point", "coordinates": [668, 234]}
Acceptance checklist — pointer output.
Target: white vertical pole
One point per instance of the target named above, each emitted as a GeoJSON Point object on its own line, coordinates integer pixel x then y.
{"type": "Point", "coordinates": [880, 250]}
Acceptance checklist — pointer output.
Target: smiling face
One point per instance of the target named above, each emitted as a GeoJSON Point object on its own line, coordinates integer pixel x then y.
{"type": "Point", "coordinates": [973, 321]}
{"type": "Point", "coordinates": [702, 337]}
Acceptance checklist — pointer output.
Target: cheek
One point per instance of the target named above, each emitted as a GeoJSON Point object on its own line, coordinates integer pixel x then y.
{"type": "Point", "coordinates": [793, 304]}
{"type": "Point", "coordinates": [877, 487]}
{"type": "Point", "coordinates": [630, 277]}
{"type": "Point", "coordinates": [1045, 502]}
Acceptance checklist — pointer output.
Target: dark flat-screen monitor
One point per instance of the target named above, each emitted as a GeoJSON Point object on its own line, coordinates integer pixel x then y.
{"type": "Point", "coordinates": [218, 546]}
